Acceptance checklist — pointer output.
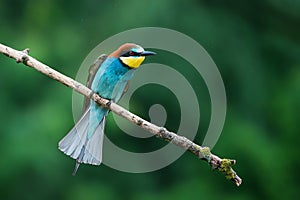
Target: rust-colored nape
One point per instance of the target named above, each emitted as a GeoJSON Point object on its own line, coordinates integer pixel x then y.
{"type": "Point", "coordinates": [127, 47]}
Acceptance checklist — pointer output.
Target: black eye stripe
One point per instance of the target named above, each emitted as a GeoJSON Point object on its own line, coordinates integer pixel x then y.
{"type": "Point", "coordinates": [131, 53]}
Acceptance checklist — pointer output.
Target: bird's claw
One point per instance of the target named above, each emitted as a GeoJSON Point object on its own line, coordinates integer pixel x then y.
{"type": "Point", "coordinates": [109, 103]}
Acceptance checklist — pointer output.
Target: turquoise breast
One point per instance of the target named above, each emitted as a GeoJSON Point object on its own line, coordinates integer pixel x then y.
{"type": "Point", "coordinates": [111, 79]}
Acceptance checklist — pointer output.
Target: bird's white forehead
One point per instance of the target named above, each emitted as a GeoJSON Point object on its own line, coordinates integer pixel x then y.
{"type": "Point", "coordinates": [138, 49]}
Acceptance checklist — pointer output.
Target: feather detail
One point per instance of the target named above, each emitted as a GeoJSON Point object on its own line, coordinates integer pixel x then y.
{"type": "Point", "coordinates": [77, 145]}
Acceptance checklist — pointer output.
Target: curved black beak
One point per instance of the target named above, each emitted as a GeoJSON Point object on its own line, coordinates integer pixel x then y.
{"type": "Point", "coordinates": [147, 53]}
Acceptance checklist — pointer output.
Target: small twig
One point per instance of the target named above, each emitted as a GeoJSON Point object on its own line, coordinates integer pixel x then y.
{"type": "Point", "coordinates": [222, 165]}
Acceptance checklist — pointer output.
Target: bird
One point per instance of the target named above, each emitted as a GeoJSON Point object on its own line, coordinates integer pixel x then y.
{"type": "Point", "coordinates": [84, 141]}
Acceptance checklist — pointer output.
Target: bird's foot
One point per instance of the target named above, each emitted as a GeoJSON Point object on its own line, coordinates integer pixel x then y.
{"type": "Point", "coordinates": [109, 103]}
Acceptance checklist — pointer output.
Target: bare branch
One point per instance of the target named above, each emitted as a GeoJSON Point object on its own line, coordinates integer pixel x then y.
{"type": "Point", "coordinates": [222, 165]}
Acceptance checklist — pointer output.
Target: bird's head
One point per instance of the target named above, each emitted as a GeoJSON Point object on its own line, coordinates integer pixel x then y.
{"type": "Point", "coordinates": [131, 55]}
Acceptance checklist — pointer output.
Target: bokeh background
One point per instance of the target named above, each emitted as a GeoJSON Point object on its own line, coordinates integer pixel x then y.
{"type": "Point", "coordinates": [255, 45]}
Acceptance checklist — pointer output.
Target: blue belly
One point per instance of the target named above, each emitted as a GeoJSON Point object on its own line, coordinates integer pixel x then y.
{"type": "Point", "coordinates": [109, 82]}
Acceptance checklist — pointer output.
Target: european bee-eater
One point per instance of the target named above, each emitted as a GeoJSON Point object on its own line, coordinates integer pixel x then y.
{"type": "Point", "coordinates": [84, 141]}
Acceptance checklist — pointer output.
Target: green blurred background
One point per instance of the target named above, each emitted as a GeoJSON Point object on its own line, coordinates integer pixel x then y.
{"type": "Point", "coordinates": [255, 45]}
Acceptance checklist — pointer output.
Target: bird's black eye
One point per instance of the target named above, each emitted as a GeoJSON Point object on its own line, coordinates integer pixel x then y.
{"type": "Point", "coordinates": [131, 53]}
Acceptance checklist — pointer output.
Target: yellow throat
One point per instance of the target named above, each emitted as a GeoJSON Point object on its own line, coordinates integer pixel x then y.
{"type": "Point", "coordinates": [133, 62]}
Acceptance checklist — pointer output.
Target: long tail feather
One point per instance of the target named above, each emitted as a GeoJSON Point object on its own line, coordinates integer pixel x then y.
{"type": "Point", "coordinates": [79, 146]}
{"type": "Point", "coordinates": [76, 168]}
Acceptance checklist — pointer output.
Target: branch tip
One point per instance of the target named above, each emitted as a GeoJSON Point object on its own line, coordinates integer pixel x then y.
{"type": "Point", "coordinates": [237, 180]}
{"type": "Point", "coordinates": [108, 104]}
